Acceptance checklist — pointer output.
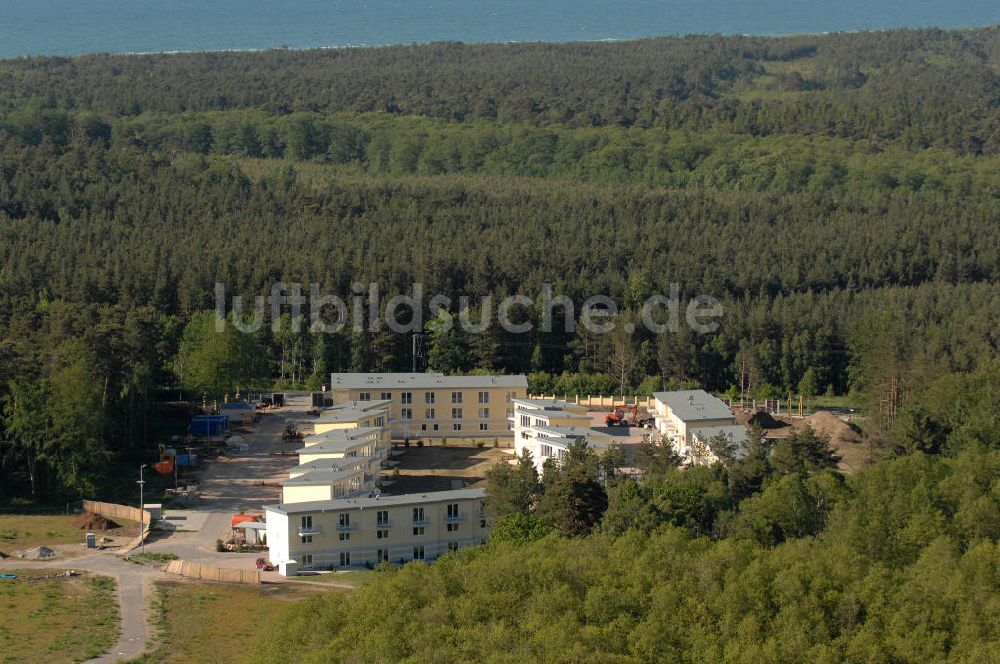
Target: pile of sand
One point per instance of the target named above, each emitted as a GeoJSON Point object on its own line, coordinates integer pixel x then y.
{"type": "Point", "coordinates": [827, 424]}
{"type": "Point", "coordinates": [90, 521]}
{"type": "Point", "coordinates": [37, 553]}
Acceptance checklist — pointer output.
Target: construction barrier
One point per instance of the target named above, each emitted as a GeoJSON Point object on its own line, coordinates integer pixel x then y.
{"type": "Point", "coordinates": [123, 512]}
{"type": "Point", "coordinates": [591, 401]}
{"type": "Point", "coordinates": [211, 573]}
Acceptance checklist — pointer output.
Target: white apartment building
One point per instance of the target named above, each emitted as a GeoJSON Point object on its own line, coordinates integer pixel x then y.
{"type": "Point", "coordinates": [369, 530]}
{"type": "Point", "coordinates": [547, 428]}
{"type": "Point", "coordinates": [432, 405]}
{"type": "Point", "coordinates": [689, 418]}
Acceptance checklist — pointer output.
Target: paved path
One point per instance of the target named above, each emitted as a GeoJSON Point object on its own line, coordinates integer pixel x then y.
{"type": "Point", "coordinates": [134, 584]}
{"type": "Point", "coordinates": [244, 482]}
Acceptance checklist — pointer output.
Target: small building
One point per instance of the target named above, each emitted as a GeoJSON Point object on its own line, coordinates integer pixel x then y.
{"type": "Point", "coordinates": [433, 405]}
{"type": "Point", "coordinates": [370, 530]}
{"type": "Point", "coordinates": [688, 419]}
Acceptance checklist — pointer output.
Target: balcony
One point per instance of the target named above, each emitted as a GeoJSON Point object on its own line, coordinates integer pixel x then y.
{"type": "Point", "coordinates": [310, 530]}
{"type": "Point", "coordinates": [420, 522]}
{"type": "Point", "coordinates": [454, 519]}
{"type": "Point", "coordinates": [383, 524]}
{"type": "Point", "coordinates": [346, 528]}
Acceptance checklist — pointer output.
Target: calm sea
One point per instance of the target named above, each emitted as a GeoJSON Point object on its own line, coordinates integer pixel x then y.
{"type": "Point", "coordinates": [61, 27]}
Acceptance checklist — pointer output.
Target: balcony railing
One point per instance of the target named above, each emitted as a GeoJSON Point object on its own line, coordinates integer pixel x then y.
{"type": "Point", "coordinates": [420, 522]}
{"type": "Point", "coordinates": [346, 528]}
{"type": "Point", "coordinates": [309, 530]}
{"type": "Point", "coordinates": [454, 519]}
{"type": "Point", "coordinates": [383, 524]}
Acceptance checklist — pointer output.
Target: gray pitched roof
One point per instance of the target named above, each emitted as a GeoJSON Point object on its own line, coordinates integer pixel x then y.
{"type": "Point", "coordinates": [422, 381]}
{"type": "Point", "coordinates": [694, 405]}
{"type": "Point", "coordinates": [365, 502]}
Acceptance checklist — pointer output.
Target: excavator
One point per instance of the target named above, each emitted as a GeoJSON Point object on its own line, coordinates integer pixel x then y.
{"type": "Point", "coordinates": [618, 417]}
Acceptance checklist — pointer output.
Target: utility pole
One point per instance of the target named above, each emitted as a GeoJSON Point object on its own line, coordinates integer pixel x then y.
{"type": "Point", "coordinates": [418, 348]}
{"type": "Point", "coordinates": [142, 509]}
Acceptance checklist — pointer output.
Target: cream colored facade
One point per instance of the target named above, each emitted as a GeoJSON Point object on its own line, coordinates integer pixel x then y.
{"type": "Point", "coordinates": [430, 405]}
{"type": "Point", "coordinates": [321, 485]}
{"type": "Point", "coordinates": [359, 532]}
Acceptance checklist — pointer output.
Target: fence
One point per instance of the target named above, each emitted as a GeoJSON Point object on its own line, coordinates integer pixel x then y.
{"type": "Point", "coordinates": [592, 401]}
{"type": "Point", "coordinates": [211, 573]}
{"type": "Point", "coordinates": [116, 511]}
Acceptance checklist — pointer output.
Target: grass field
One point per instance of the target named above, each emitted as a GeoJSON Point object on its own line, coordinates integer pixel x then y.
{"type": "Point", "coordinates": [19, 531]}
{"type": "Point", "coordinates": [213, 623]}
{"type": "Point", "coordinates": [58, 619]}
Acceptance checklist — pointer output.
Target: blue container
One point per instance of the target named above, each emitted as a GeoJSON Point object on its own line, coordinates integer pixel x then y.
{"type": "Point", "coordinates": [209, 425]}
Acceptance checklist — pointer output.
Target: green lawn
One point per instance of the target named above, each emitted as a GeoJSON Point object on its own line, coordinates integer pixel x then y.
{"type": "Point", "coordinates": [202, 623]}
{"type": "Point", "coordinates": [59, 619]}
{"type": "Point", "coordinates": [18, 532]}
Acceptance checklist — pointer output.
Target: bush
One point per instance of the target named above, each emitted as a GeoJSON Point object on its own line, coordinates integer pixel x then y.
{"type": "Point", "coordinates": [480, 444]}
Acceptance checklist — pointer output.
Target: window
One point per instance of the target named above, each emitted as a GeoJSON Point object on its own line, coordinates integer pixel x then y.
{"type": "Point", "coordinates": [406, 397]}
{"type": "Point", "coordinates": [453, 511]}
{"type": "Point", "coordinates": [418, 514]}
{"type": "Point", "coordinates": [345, 558]}
{"type": "Point", "coordinates": [484, 397]}
{"type": "Point", "coordinates": [345, 537]}
{"type": "Point", "coordinates": [365, 396]}
{"type": "Point", "coordinates": [435, 427]}
{"type": "Point", "coordinates": [546, 450]}
{"type": "Point", "coordinates": [525, 421]}
{"type": "Point", "coordinates": [380, 421]}
{"type": "Point", "coordinates": [456, 397]}
{"type": "Point", "coordinates": [407, 413]}
{"type": "Point", "coordinates": [307, 560]}
{"type": "Point", "coordinates": [418, 552]}
{"type": "Point", "coordinates": [429, 414]}
{"type": "Point", "coordinates": [382, 534]}
{"type": "Point", "coordinates": [386, 396]}
{"type": "Point", "coordinates": [383, 555]}
{"type": "Point", "coordinates": [484, 413]}
{"type": "Point", "coordinates": [382, 518]}
{"type": "Point", "coordinates": [307, 539]}
{"type": "Point", "coordinates": [418, 531]}
{"type": "Point", "coordinates": [456, 426]}
{"type": "Point", "coordinates": [428, 397]}
{"type": "Point", "coordinates": [423, 427]}
{"type": "Point", "coordinates": [456, 413]}
{"type": "Point", "coordinates": [344, 520]}
{"type": "Point", "coordinates": [307, 523]}
{"type": "Point", "coordinates": [452, 527]}
{"type": "Point", "coordinates": [482, 523]}
{"type": "Point", "coordinates": [483, 426]}
{"type": "Point", "coordinates": [453, 546]}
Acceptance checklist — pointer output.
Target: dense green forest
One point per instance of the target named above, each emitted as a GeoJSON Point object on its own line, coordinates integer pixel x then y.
{"type": "Point", "coordinates": [839, 195]}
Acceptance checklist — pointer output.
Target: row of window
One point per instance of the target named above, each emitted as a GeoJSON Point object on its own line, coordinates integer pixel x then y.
{"type": "Point", "coordinates": [381, 555]}
{"type": "Point", "coordinates": [382, 517]}
{"type": "Point", "coordinates": [429, 397]}
{"type": "Point", "coordinates": [431, 414]}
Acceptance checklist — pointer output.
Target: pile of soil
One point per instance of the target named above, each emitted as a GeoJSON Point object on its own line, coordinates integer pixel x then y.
{"type": "Point", "coordinates": [828, 424]}
{"type": "Point", "coordinates": [90, 521]}
{"type": "Point", "coordinates": [761, 418]}
{"type": "Point", "coordinates": [37, 553]}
